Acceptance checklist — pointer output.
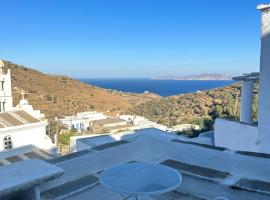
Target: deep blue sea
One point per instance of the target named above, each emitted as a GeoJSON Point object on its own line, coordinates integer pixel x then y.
{"type": "Point", "coordinates": [161, 87]}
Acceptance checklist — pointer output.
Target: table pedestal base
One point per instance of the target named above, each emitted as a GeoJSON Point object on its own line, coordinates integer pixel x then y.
{"type": "Point", "coordinates": [135, 197]}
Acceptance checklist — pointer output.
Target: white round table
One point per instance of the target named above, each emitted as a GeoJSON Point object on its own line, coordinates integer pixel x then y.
{"type": "Point", "coordinates": [140, 179]}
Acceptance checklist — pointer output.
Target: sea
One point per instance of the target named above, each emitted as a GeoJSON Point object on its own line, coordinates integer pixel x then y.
{"type": "Point", "coordinates": [161, 87]}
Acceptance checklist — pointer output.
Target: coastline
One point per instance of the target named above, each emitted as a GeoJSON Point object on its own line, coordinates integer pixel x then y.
{"type": "Point", "coordinates": [161, 87]}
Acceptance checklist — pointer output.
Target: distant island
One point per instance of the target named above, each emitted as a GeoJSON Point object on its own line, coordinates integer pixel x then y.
{"type": "Point", "coordinates": [208, 76]}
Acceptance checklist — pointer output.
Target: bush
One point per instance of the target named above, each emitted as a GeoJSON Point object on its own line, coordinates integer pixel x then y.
{"type": "Point", "coordinates": [199, 122]}
{"type": "Point", "coordinates": [191, 133]}
{"type": "Point", "coordinates": [208, 123]}
{"type": "Point", "coordinates": [92, 107]}
{"type": "Point", "coordinates": [65, 137]}
{"type": "Point", "coordinates": [215, 111]}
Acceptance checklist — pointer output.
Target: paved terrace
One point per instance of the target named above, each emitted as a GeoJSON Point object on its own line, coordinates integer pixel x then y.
{"type": "Point", "coordinates": [208, 171]}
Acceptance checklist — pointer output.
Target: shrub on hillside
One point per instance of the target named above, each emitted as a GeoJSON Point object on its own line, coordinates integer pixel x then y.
{"type": "Point", "coordinates": [65, 137]}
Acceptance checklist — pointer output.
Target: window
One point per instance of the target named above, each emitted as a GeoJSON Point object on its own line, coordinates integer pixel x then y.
{"type": "Point", "coordinates": [7, 142]}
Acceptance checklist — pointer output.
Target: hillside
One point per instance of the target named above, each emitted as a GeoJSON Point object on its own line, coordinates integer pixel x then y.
{"type": "Point", "coordinates": [199, 108]}
{"type": "Point", "coordinates": [61, 95]}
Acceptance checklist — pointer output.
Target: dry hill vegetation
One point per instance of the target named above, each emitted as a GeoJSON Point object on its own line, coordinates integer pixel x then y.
{"type": "Point", "coordinates": [61, 95]}
{"type": "Point", "coordinates": [200, 108]}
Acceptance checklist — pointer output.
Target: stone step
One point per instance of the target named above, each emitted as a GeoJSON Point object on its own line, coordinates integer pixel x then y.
{"type": "Point", "coordinates": [68, 157]}
{"type": "Point", "coordinates": [198, 187]}
{"type": "Point", "coordinates": [109, 145]}
{"type": "Point", "coordinates": [253, 185]}
{"type": "Point", "coordinates": [253, 154]}
{"type": "Point", "coordinates": [203, 172]}
{"type": "Point", "coordinates": [212, 147]}
{"type": "Point", "coordinates": [70, 188]}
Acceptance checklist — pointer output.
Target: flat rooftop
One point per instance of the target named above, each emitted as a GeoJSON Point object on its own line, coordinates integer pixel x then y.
{"type": "Point", "coordinates": [23, 153]}
{"type": "Point", "coordinates": [109, 121]}
{"type": "Point", "coordinates": [207, 171]}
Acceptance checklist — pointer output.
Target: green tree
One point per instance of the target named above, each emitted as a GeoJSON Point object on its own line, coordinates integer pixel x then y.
{"type": "Point", "coordinates": [215, 111]}
{"type": "Point", "coordinates": [65, 137]}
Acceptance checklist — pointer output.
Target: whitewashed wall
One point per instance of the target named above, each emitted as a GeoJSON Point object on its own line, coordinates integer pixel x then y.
{"type": "Point", "coordinates": [28, 135]}
{"type": "Point", "coordinates": [235, 135]}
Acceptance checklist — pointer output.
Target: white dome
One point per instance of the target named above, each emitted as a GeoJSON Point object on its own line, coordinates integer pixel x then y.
{"type": "Point", "coordinates": [23, 102]}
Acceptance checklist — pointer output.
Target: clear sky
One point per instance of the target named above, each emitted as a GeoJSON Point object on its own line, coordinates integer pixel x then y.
{"type": "Point", "coordinates": [131, 38]}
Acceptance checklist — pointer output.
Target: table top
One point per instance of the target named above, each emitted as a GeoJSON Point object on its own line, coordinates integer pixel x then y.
{"type": "Point", "coordinates": [26, 174]}
{"type": "Point", "coordinates": [140, 178]}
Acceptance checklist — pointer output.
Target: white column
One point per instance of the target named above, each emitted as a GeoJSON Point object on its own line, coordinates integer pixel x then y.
{"type": "Point", "coordinates": [246, 101]}
{"type": "Point", "coordinates": [264, 90]}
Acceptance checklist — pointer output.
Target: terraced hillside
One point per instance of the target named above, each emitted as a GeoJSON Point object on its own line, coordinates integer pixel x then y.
{"type": "Point", "coordinates": [61, 95]}
{"type": "Point", "coordinates": [198, 108]}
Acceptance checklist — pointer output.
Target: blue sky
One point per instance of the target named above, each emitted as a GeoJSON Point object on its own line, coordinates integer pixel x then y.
{"type": "Point", "coordinates": [131, 38]}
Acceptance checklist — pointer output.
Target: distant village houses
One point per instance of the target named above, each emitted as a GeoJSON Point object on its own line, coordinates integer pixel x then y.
{"type": "Point", "coordinates": [82, 120]}
{"type": "Point", "coordinates": [110, 125]}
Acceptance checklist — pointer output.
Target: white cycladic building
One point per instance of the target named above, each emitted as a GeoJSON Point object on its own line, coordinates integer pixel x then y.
{"type": "Point", "coordinates": [244, 135]}
{"type": "Point", "coordinates": [5, 89]}
{"type": "Point", "coordinates": [18, 129]}
{"type": "Point", "coordinates": [141, 122]}
{"type": "Point", "coordinates": [72, 122]}
{"type": "Point", "coordinates": [91, 115]}
{"type": "Point", "coordinates": [22, 125]}
{"type": "Point", "coordinates": [81, 121]}
{"type": "Point", "coordinates": [110, 122]}
{"type": "Point", "coordinates": [24, 105]}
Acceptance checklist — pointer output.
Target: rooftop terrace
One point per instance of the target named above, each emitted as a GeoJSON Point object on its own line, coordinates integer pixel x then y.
{"type": "Point", "coordinates": [208, 171]}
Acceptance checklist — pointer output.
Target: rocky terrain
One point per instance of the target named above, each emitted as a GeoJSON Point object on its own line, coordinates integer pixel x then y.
{"type": "Point", "coordinates": [61, 95]}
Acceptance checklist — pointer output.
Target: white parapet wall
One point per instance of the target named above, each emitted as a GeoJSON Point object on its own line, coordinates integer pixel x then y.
{"type": "Point", "coordinates": [236, 135]}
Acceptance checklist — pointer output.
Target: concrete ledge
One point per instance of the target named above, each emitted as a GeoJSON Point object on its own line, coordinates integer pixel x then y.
{"type": "Point", "coordinates": [239, 122]}
{"type": "Point", "coordinates": [68, 157]}
{"type": "Point", "coordinates": [253, 154]}
{"type": "Point", "coordinates": [203, 172]}
{"type": "Point", "coordinates": [199, 144]}
{"type": "Point", "coordinates": [253, 185]}
{"type": "Point", "coordinates": [70, 188]}
{"type": "Point", "coordinates": [24, 175]}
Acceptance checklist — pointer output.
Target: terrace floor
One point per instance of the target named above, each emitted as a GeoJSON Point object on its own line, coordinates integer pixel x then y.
{"type": "Point", "coordinates": [208, 172]}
